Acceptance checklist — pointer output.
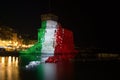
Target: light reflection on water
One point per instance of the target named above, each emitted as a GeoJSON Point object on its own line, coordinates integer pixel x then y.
{"type": "Point", "coordinates": [9, 69]}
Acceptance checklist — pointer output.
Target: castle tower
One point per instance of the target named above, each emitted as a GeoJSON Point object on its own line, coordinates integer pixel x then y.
{"type": "Point", "coordinates": [46, 34]}
{"type": "Point", "coordinates": [53, 40]}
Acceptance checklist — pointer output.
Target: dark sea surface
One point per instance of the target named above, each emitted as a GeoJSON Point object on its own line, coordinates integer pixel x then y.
{"type": "Point", "coordinates": [10, 69]}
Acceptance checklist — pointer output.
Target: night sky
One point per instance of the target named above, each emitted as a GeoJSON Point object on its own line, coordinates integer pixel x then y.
{"type": "Point", "coordinates": [93, 23]}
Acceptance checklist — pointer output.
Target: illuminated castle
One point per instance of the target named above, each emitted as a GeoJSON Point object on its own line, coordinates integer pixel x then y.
{"type": "Point", "coordinates": [53, 41]}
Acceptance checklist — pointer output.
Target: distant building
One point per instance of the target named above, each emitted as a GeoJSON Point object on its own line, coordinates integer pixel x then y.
{"type": "Point", "coordinates": [9, 38]}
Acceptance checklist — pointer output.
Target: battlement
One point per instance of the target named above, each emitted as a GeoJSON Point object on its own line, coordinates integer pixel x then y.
{"type": "Point", "coordinates": [49, 17]}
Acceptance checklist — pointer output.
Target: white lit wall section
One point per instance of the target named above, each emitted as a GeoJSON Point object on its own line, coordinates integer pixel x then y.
{"type": "Point", "coordinates": [47, 46]}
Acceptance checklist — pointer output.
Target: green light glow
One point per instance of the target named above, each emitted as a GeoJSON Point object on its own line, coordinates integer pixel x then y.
{"type": "Point", "coordinates": [36, 49]}
{"type": "Point", "coordinates": [25, 59]}
{"type": "Point", "coordinates": [40, 72]}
